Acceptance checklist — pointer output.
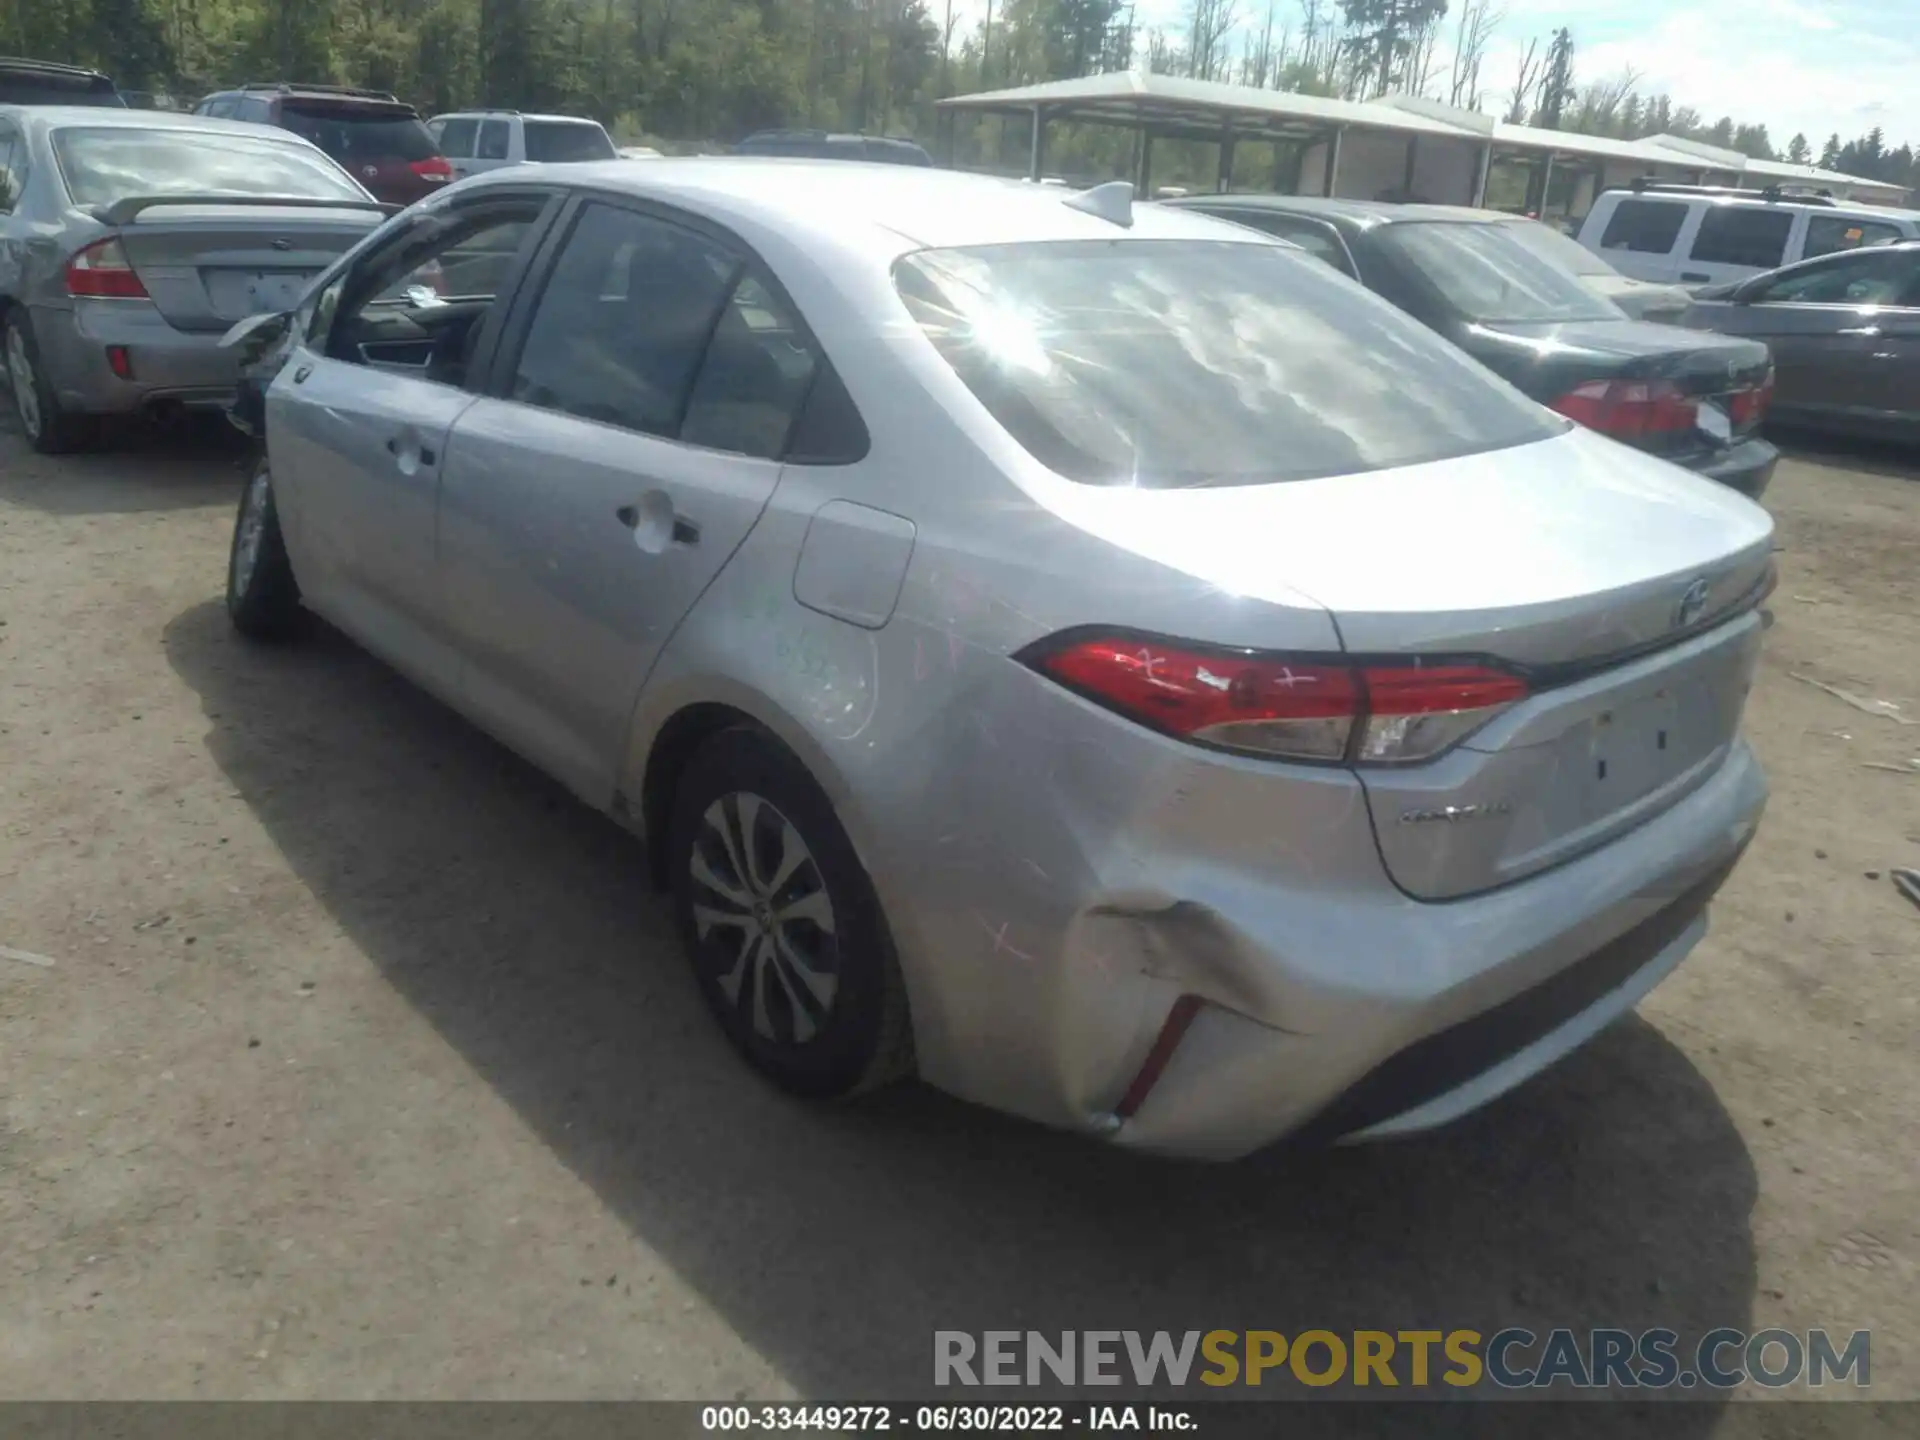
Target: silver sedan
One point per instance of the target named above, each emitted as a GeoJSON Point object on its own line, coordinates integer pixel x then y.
{"type": "Point", "coordinates": [130, 240]}
{"type": "Point", "coordinates": [1094, 657]}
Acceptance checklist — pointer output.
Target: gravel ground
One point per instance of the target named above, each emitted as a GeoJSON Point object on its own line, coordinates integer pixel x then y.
{"type": "Point", "coordinates": [367, 1067]}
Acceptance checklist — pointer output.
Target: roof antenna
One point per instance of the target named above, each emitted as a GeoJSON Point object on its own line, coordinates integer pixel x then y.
{"type": "Point", "coordinates": [1112, 202]}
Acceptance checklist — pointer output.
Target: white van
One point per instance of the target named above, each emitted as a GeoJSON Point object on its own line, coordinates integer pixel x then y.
{"type": "Point", "coordinates": [477, 140]}
{"type": "Point", "coordinates": [1693, 235]}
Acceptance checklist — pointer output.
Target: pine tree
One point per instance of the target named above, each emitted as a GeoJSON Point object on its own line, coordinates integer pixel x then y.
{"type": "Point", "coordinates": [1830, 154]}
{"type": "Point", "coordinates": [1797, 150]}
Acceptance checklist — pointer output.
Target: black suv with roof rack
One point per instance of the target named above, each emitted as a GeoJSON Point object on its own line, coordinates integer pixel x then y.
{"type": "Point", "coordinates": [374, 137]}
{"type": "Point", "coordinates": [42, 82]}
{"type": "Point", "coordinates": [824, 145]}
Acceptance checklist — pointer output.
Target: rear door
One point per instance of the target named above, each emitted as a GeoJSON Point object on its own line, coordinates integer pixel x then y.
{"type": "Point", "coordinates": [1641, 236]}
{"type": "Point", "coordinates": [456, 137]}
{"type": "Point", "coordinates": [1735, 241]}
{"type": "Point", "coordinates": [630, 439]}
{"type": "Point", "coordinates": [493, 146]}
{"type": "Point", "coordinates": [357, 418]}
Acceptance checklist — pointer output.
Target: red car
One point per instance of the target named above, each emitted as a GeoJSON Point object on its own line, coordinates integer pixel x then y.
{"type": "Point", "coordinates": [374, 137]}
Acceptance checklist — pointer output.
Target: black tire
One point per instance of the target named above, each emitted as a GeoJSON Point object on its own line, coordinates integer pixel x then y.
{"type": "Point", "coordinates": [263, 600]}
{"type": "Point", "coordinates": [50, 429]}
{"type": "Point", "coordinates": [861, 1038]}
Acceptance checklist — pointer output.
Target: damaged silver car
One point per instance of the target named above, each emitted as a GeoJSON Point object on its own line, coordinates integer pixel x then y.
{"type": "Point", "coordinates": [1096, 658]}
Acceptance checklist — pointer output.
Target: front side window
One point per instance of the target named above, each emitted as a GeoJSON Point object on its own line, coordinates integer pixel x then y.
{"type": "Point", "coordinates": [1879, 277]}
{"type": "Point", "coordinates": [558, 142]}
{"type": "Point", "coordinates": [1165, 363]}
{"type": "Point", "coordinates": [1828, 233]}
{"type": "Point", "coordinates": [1741, 235]}
{"type": "Point", "coordinates": [1648, 227]}
{"type": "Point", "coordinates": [111, 163]}
{"type": "Point", "coordinates": [417, 304]}
{"type": "Point", "coordinates": [1481, 273]}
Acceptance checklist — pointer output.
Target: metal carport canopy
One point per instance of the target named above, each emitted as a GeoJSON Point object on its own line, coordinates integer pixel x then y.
{"type": "Point", "coordinates": [1176, 108]}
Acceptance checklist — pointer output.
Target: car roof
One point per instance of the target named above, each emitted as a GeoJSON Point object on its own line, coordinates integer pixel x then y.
{"type": "Point", "coordinates": [844, 205]}
{"type": "Point", "coordinates": [58, 117]}
{"type": "Point", "coordinates": [515, 115]}
{"type": "Point", "coordinates": [1858, 209]}
{"type": "Point", "coordinates": [1358, 214]}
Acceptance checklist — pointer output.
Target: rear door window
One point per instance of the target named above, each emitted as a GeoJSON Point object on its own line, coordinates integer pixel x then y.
{"type": "Point", "coordinates": [456, 138]}
{"type": "Point", "coordinates": [1165, 363]}
{"type": "Point", "coordinates": [495, 138]}
{"type": "Point", "coordinates": [1742, 235]}
{"type": "Point", "coordinates": [621, 329]}
{"type": "Point", "coordinates": [1828, 233]}
{"type": "Point", "coordinates": [558, 142]}
{"type": "Point", "coordinates": [1648, 227]}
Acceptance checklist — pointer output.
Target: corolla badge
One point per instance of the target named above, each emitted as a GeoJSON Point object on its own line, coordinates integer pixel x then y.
{"type": "Point", "coordinates": [1454, 814]}
{"type": "Point", "coordinates": [1693, 604]}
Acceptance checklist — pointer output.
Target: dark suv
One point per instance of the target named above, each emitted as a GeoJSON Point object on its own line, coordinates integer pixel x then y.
{"type": "Point", "coordinates": [378, 140]}
{"type": "Point", "coordinates": [822, 145]}
{"type": "Point", "coordinates": [41, 82]}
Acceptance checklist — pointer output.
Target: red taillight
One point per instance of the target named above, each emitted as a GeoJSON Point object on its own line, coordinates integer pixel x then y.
{"type": "Point", "coordinates": [434, 168]}
{"type": "Point", "coordinates": [1321, 709]}
{"type": "Point", "coordinates": [1630, 409]}
{"type": "Point", "coordinates": [101, 271]}
{"type": "Point", "coordinates": [1749, 407]}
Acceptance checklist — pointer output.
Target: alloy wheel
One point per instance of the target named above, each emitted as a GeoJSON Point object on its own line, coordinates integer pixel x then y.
{"type": "Point", "coordinates": [764, 918]}
{"type": "Point", "coordinates": [26, 399]}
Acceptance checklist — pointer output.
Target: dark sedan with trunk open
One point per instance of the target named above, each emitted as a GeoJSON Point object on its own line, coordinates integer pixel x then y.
{"type": "Point", "coordinates": [1691, 398]}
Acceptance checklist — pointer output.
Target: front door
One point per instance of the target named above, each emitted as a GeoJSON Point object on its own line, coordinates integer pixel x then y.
{"type": "Point", "coordinates": [630, 441]}
{"type": "Point", "coordinates": [358, 418]}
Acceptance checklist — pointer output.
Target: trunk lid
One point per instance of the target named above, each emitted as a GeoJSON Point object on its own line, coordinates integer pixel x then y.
{"type": "Point", "coordinates": [1622, 586]}
{"type": "Point", "coordinates": [207, 265]}
{"type": "Point", "coordinates": [1720, 373]}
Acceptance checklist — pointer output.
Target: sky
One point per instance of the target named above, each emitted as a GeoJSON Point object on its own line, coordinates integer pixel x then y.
{"type": "Point", "coordinates": [1814, 66]}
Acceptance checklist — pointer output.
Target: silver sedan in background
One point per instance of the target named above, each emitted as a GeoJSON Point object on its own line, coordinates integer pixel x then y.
{"type": "Point", "coordinates": [1845, 334]}
{"type": "Point", "coordinates": [1094, 656]}
{"type": "Point", "coordinates": [130, 241]}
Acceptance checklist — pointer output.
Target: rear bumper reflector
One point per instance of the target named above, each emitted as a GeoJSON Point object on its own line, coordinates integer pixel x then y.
{"type": "Point", "coordinates": [1164, 1044]}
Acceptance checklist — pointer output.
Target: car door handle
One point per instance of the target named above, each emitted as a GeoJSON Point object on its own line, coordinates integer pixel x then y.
{"type": "Point", "coordinates": [1694, 275]}
{"type": "Point", "coordinates": [655, 519]}
{"type": "Point", "coordinates": [1859, 330]}
{"type": "Point", "coordinates": [423, 455]}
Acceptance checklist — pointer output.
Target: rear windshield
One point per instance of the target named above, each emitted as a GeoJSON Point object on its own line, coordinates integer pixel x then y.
{"type": "Point", "coordinates": [1166, 363]}
{"type": "Point", "coordinates": [22, 89]}
{"type": "Point", "coordinates": [1483, 274]}
{"type": "Point", "coordinates": [1562, 250]}
{"type": "Point", "coordinates": [556, 142]}
{"type": "Point", "coordinates": [357, 134]}
{"type": "Point", "coordinates": [113, 162]}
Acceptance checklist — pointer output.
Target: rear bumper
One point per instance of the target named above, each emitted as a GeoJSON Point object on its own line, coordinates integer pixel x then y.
{"type": "Point", "coordinates": [1451, 1005]}
{"type": "Point", "coordinates": [169, 365]}
{"type": "Point", "coordinates": [1746, 467]}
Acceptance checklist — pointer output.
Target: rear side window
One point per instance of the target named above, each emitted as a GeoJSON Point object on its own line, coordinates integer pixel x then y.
{"type": "Point", "coordinates": [559, 142]}
{"type": "Point", "coordinates": [1828, 233]}
{"type": "Point", "coordinates": [1647, 226]}
{"type": "Point", "coordinates": [1168, 363]}
{"type": "Point", "coordinates": [456, 138]}
{"type": "Point", "coordinates": [20, 87]}
{"type": "Point", "coordinates": [1740, 235]}
{"type": "Point", "coordinates": [1317, 240]}
{"type": "Point", "coordinates": [359, 134]}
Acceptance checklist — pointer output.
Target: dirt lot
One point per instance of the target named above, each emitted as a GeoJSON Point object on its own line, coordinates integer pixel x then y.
{"type": "Point", "coordinates": [367, 1068]}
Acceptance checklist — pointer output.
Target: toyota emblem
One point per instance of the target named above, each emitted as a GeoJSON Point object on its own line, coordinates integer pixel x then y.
{"type": "Point", "coordinates": [1693, 604]}
{"type": "Point", "coordinates": [370, 170]}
